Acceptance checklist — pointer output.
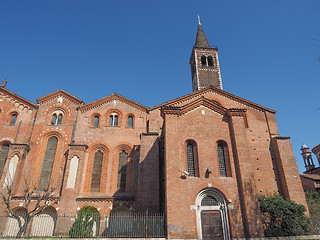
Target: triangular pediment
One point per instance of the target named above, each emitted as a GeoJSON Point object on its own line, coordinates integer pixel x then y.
{"type": "Point", "coordinates": [214, 106]}
{"type": "Point", "coordinates": [111, 98]}
{"type": "Point", "coordinates": [5, 93]}
{"type": "Point", "coordinates": [59, 94]}
{"type": "Point", "coordinates": [200, 93]}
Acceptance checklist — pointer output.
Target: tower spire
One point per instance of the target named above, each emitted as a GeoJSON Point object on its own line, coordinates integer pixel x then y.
{"type": "Point", "coordinates": [201, 40]}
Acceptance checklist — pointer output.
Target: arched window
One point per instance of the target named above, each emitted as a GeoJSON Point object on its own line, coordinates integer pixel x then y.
{"type": "Point", "coordinates": [192, 159]}
{"type": "Point", "coordinates": [13, 119]}
{"type": "Point", "coordinates": [11, 170]}
{"type": "Point", "coordinates": [96, 171]}
{"type": "Point", "coordinates": [47, 165]}
{"type": "Point", "coordinates": [122, 171]}
{"type": "Point", "coordinates": [54, 119]}
{"type": "Point", "coordinates": [113, 120]}
{"type": "Point", "coordinates": [224, 164]}
{"type": "Point", "coordinates": [130, 121]}
{"type": "Point", "coordinates": [96, 121]}
{"type": "Point", "coordinates": [203, 60]}
{"type": "Point", "coordinates": [59, 119]}
{"type": "Point", "coordinates": [210, 61]}
{"type": "Point", "coordinates": [3, 157]}
{"type": "Point", "coordinates": [73, 172]}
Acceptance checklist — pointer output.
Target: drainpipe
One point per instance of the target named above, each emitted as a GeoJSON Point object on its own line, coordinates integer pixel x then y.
{"type": "Point", "coordinates": [17, 132]}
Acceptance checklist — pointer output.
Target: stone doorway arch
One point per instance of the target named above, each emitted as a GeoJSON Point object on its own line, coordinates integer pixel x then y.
{"type": "Point", "coordinates": [12, 225]}
{"type": "Point", "coordinates": [212, 216]}
{"type": "Point", "coordinates": [43, 225]}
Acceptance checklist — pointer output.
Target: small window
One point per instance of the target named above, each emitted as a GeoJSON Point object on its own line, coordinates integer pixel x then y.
{"type": "Point", "coordinates": [96, 121]}
{"type": "Point", "coordinates": [113, 121]}
{"type": "Point", "coordinates": [203, 60]}
{"type": "Point", "coordinates": [13, 119]}
{"type": "Point", "coordinates": [210, 61]}
{"type": "Point", "coordinates": [130, 121]}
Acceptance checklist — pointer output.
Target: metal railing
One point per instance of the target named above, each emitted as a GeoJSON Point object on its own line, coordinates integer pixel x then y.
{"type": "Point", "coordinates": [131, 225]}
{"type": "Point", "coordinates": [138, 225]}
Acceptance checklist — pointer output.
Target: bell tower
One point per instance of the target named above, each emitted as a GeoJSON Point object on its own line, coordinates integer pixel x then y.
{"type": "Point", "coordinates": [204, 63]}
{"type": "Point", "coordinates": [307, 158]}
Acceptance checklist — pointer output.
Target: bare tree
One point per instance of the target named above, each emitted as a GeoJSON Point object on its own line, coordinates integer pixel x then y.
{"type": "Point", "coordinates": [35, 202]}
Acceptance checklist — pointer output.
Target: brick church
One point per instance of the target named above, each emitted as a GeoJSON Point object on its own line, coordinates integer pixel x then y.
{"type": "Point", "coordinates": [202, 158]}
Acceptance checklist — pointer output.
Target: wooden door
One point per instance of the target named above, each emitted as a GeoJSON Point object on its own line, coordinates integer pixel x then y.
{"type": "Point", "coordinates": [211, 225]}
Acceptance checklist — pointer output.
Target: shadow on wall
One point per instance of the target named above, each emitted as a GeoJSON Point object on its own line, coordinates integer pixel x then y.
{"type": "Point", "coordinates": [253, 213]}
{"type": "Point", "coordinates": [141, 191]}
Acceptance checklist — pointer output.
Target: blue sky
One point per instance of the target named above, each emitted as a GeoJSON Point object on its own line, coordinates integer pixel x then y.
{"type": "Point", "coordinates": [141, 50]}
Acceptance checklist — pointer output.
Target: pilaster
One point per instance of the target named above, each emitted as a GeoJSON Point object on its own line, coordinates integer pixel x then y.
{"type": "Point", "coordinates": [288, 171]}
{"type": "Point", "coordinates": [244, 173]}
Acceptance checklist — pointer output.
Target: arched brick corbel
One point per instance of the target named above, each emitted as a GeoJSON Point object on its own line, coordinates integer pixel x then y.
{"type": "Point", "coordinates": [239, 112]}
{"type": "Point", "coordinates": [21, 149]}
{"type": "Point", "coordinates": [77, 149]}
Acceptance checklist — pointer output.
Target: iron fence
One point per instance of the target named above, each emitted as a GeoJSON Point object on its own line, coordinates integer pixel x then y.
{"type": "Point", "coordinates": [138, 225]}
{"type": "Point", "coordinates": [131, 225]}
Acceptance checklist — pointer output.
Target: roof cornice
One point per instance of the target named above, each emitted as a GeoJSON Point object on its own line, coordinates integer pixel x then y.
{"type": "Point", "coordinates": [110, 98]}
{"type": "Point", "coordinates": [59, 92]}
{"type": "Point", "coordinates": [237, 112]}
{"type": "Point", "coordinates": [19, 98]}
{"type": "Point", "coordinates": [193, 105]}
{"type": "Point", "coordinates": [217, 91]}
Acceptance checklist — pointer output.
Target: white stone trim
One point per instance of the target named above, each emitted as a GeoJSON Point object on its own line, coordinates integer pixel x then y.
{"type": "Point", "coordinates": [222, 208]}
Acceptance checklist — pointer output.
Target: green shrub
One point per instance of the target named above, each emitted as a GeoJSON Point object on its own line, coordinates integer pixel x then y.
{"type": "Point", "coordinates": [83, 224]}
{"type": "Point", "coordinates": [283, 217]}
{"type": "Point", "coordinates": [313, 200]}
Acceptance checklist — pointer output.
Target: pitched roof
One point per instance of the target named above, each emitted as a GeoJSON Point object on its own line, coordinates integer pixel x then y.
{"type": "Point", "coordinates": [217, 91]}
{"type": "Point", "coordinates": [59, 92]}
{"type": "Point", "coordinates": [19, 98]}
{"type": "Point", "coordinates": [201, 40]}
{"type": "Point", "coordinates": [110, 98]}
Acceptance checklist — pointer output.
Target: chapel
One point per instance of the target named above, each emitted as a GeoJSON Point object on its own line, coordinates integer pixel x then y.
{"type": "Point", "coordinates": [201, 159]}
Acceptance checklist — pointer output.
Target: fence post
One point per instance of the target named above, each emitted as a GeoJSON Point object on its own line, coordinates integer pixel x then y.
{"type": "Point", "coordinates": [147, 224]}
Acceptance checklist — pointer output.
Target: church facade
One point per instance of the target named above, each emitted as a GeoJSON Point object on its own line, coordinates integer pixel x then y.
{"type": "Point", "coordinates": [202, 158]}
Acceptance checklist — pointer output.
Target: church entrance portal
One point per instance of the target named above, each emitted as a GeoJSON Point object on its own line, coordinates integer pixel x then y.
{"type": "Point", "coordinates": [212, 217]}
{"type": "Point", "coordinates": [211, 225]}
